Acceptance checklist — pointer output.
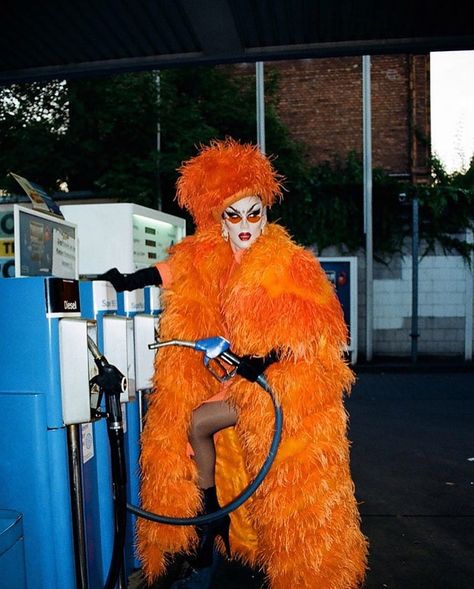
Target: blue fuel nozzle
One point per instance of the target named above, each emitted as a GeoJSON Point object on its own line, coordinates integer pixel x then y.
{"type": "Point", "coordinates": [212, 347]}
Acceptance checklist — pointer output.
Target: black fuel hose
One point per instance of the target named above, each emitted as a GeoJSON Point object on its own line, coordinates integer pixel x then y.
{"type": "Point", "coordinates": [244, 495]}
{"type": "Point", "coordinates": [119, 481]}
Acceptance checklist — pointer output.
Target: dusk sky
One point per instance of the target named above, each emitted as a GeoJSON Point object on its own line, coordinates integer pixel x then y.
{"type": "Point", "coordinates": [452, 108]}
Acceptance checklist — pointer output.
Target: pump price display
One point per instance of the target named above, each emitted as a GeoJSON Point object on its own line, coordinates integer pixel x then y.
{"type": "Point", "coordinates": [151, 240]}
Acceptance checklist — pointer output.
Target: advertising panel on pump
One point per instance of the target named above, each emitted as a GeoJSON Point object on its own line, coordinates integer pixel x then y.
{"type": "Point", "coordinates": [45, 245]}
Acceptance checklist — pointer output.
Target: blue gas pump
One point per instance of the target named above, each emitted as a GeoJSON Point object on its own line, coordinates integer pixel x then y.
{"type": "Point", "coordinates": [43, 400]}
{"type": "Point", "coordinates": [98, 300]}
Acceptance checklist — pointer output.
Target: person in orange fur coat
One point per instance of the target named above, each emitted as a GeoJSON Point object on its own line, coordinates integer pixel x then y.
{"type": "Point", "coordinates": [243, 278]}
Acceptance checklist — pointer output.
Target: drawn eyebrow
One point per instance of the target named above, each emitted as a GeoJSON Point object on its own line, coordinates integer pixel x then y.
{"type": "Point", "coordinates": [257, 204]}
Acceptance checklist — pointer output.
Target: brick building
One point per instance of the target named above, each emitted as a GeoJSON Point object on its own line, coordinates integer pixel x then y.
{"type": "Point", "coordinates": [320, 100]}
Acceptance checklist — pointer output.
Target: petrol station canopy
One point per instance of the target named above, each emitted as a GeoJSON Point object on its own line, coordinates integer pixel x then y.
{"type": "Point", "coordinates": [65, 39]}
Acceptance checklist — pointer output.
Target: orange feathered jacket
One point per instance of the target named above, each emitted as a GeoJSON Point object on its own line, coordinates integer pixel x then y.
{"type": "Point", "coordinates": [302, 524]}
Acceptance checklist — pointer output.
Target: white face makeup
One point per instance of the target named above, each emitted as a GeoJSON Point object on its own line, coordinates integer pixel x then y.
{"type": "Point", "coordinates": [243, 221]}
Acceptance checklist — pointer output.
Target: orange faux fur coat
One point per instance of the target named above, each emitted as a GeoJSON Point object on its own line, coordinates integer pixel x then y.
{"type": "Point", "coordinates": [302, 524]}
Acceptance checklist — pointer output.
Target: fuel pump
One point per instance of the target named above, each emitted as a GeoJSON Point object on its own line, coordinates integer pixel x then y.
{"type": "Point", "coordinates": [108, 474]}
{"type": "Point", "coordinates": [98, 302]}
{"type": "Point", "coordinates": [124, 330]}
{"type": "Point", "coordinates": [44, 400]}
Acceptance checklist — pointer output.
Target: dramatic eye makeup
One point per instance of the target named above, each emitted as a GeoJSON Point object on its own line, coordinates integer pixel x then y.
{"type": "Point", "coordinates": [253, 215]}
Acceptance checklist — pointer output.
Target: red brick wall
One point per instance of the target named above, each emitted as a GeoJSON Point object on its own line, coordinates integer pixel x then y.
{"type": "Point", "coordinates": [421, 116]}
{"type": "Point", "coordinates": [321, 102]}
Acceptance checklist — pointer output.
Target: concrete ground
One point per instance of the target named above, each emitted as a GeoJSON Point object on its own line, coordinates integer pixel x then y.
{"type": "Point", "coordinates": [413, 465]}
{"type": "Point", "coordinates": [412, 454]}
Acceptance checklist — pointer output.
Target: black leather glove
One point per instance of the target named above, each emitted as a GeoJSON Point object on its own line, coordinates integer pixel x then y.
{"type": "Point", "coordinates": [251, 367]}
{"type": "Point", "coordinates": [139, 279]}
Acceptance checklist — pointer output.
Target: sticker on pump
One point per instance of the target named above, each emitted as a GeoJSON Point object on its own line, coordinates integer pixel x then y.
{"type": "Point", "coordinates": [124, 417]}
{"type": "Point", "coordinates": [87, 442]}
{"type": "Point", "coordinates": [7, 248]}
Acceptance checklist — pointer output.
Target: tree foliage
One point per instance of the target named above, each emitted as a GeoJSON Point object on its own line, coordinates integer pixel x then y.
{"type": "Point", "coordinates": [32, 124]}
{"type": "Point", "coordinates": [110, 144]}
{"type": "Point", "coordinates": [106, 137]}
{"type": "Point", "coordinates": [447, 210]}
{"type": "Point", "coordinates": [329, 209]}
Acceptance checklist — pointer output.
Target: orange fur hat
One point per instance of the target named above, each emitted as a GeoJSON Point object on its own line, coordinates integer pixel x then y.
{"type": "Point", "coordinates": [222, 173]}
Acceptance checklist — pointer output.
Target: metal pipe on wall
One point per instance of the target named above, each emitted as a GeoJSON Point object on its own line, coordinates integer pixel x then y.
{"type": "Point", "coordinates": [159, 203]}
{"type": "Point", "coordinates": [415, 238]}
{"type": "Point", "coordinates": [260, 94]}
{"type": "Point", "coordinates": [468, 331]}
{"type": "Point", "coordinates": [367, 148]}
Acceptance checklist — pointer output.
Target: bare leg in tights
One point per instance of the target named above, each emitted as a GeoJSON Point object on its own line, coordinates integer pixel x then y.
{"type": "Point", "coordinates": [208, 419]}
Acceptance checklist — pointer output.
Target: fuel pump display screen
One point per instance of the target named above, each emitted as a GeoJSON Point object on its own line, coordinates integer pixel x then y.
{"type": "Point", "coordinates": [44, 245]}
{"type": "Point", "coordinates": [151, 240]}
